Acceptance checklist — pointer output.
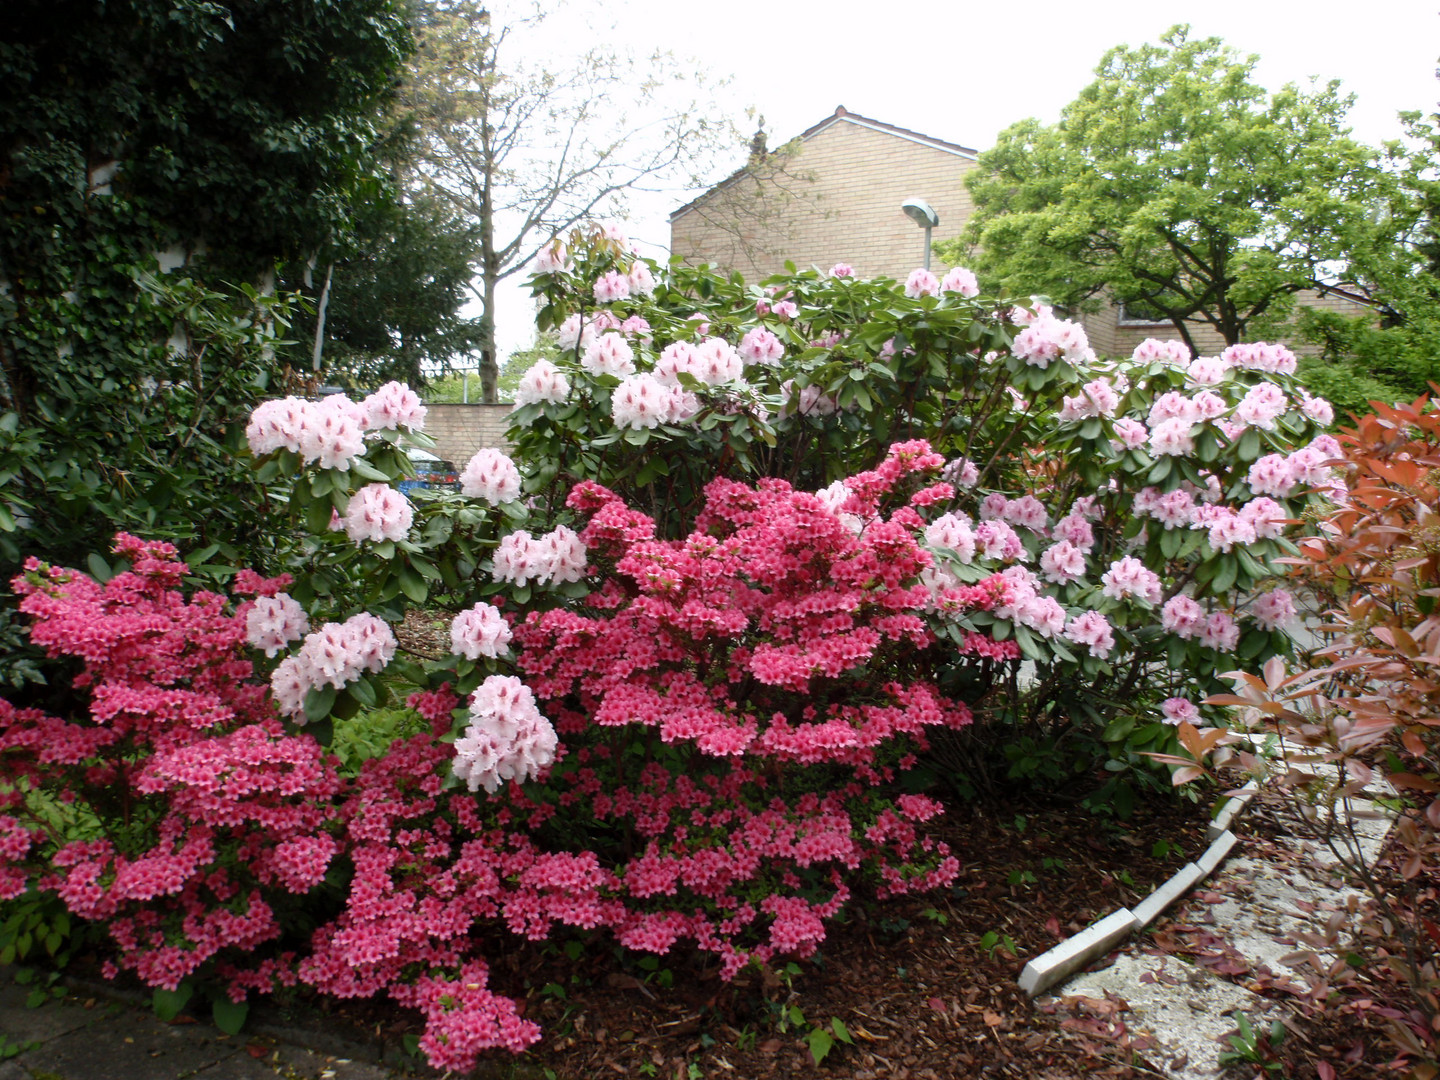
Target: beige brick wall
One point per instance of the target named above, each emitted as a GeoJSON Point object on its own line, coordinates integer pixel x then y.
{"type": "Point", "coordinates": [1109, 338]}
{"type": "Point", "coordinates": [845, 187]}
{"type": "Point", "coordinates": [460, 430]}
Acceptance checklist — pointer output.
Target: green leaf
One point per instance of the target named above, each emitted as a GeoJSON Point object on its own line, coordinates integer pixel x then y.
{"type": "Point", "coordinates": [99, 568]}
{"type": "Point", "coordinates": [230, 1015]}
{"type": "Point", "coordinates": [841, 1031]}
{"type": "Point", "coordinates": [413, 585]}
{"type": "Point", "coordinates": [820, 1042]}
{"type": "Point", "coordinates": [169, 1003]}
{"type": "Point", "coordinates": [318, 702]}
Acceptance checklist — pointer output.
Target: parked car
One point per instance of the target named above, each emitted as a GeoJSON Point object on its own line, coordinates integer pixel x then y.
{"type": "Point", "coordinates": [433, 472]}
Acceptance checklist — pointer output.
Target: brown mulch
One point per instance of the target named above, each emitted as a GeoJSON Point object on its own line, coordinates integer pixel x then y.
{"type": "Point", "coordinates": [925, 986]}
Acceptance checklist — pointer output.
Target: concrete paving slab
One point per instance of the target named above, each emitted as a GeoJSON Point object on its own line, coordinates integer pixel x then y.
{"type": "Point", "coordinates": [1186, 1010]}
{"type": "Point", "coordinates": [130, 1046]}
{"type": "Point", "coordinates": [22, 1024]}
{"type": "Point", "coordinates": [1219, 848]}
{"type": "Point", "coordinates": [1149, 909]}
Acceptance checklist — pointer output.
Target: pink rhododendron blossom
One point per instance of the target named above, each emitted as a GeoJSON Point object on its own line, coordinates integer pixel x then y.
{"type": "Point", "coordinates": [1209, 405]}
{"type": "Point", "coordinates": [1175, 509]}
{"type": "Point", "coordinates": [717, 361]}
{"type": "Point", "coordinates": [1129, 578]}
{"type": "Point", "coordinates": [1062, 563]}
{"type": "Point", "coordinates": [1226, 528]}
{"type": "Point", "coordinates": [636, 326]}
{"type": "Point", "coordinates": [1075, 529]}
{"type": "Point", "coordinates": [612, 286]}
{"type": "Point", "coordinates": [811, 401]}
{"type": "Point", "coordinates": [959, 280]}
{"type": "Point", "coordinates": [642, 281]}
{"type": "Point", "coordinates": [552, 258]}
{"type": "Point", "coordinates": [543, 383]}
{"type": "Point", "coordinates": [1262, 406]}
{"type": "Point", "coordinates": [1048, 338]}
{"type": "Point", "coordinates": [558, 556]}
{"type": "Point", "coordinates": [998, 541]}
{"type": "Point", "coordinates": [1274, 610]}
{"type": "Point", "coordinates": [1172, 405]}
{"type": "Point", "coordinates": [1318, 409]}
{"type": "Point", "coordinates": [334, 432]}
{"type": "Point", "coordinates": [962, 472]}
{"type": "Point", "coordinates": [479, 631]}
{"type": "Point", "coordinates": [1220, 632]}
{"type": "Point", "coordinates": [276, 425]}
{"type": "Point", "coordinates": [1153, 350]}
{"type": "Point", "coordinates": [1092, 629]}
{"type": "Point", "coordinates": [1096, 398]}
{"type": "Point", "coordinates": [1178, 709]}
{"type": "Point", "coordinates": [335, 655]}
{"type": "Point", "coordinates": [921, 282]}
{"type": "Point", "coordinates": [953, 532]}
{"type": "Point", "coordinates": [275, 621]}
{"type": "Point", "coordinates": [393, 406]}
{"type": "Point", "coordinates": [1207, 371]}
{"type": "Point", "coordinates": [1308, 466]}
{"type": "Point", "coordinates": [1259, 356]}
{"type": "Point", "coordinates": [1027, 512]}
{"type": "Point", "coordinates": [1172, 438]}
{"type": "Point", "coordinates": [1129, 434]}
{"type": "Point", "coordinates": [761, 346]}
{"type": "Point", "coordinates": [992, 507]}
{"type": "Point", "coordinates": [507, 740]}
{"type": "Point", "coordinates": [1271, 475]}
{"type": "Point", "coordinates": [786, 310]}
{"type": "Point", "coordinates": [1182, 617]}
{"type": "Point", "coordinates": [491, 475]}
{"type": "Point", "coordinates": [842, 270]}
{"type": "Point", "coordinates": [575, 332]}
{"type": "Point", "coordinates": [1267, 517]}
{"type": "Point", "coordinates": [378, 512]}
{"type": "Point", "coordinates": [609, 354]}
{"type": "Point", "coordinates": [642, 401]}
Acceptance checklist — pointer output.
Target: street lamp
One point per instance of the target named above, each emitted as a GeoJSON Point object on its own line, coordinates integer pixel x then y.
{"type": "Point", "coordinates": [923, 214]}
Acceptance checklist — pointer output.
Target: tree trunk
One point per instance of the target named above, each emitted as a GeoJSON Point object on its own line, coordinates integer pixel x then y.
{"type": "Point", "coordinates": [490, 277]}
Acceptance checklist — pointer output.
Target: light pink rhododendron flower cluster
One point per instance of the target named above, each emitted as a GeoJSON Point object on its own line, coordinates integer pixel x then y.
{"type": "Point", "coordinates": [609, 354]}
{"type": "Point", "coordinates": [1177, 710]}
{"type": "Point", "coordinates": [557, 557]}
{"type": "Point", "coordinates": [394, 406]}
{"type": "Point", "coordinates": [1153, 350]}
{"type": "Point", "coordinates": [507, 740]}
{"type": "Point", "coordinates": [479, 631]}
{"type": "Point", "coordinates": [542, 383]}
{"type": "Point", "coordinates": [960, 280]}
{"type": "Point", "coordinates": [921, 282]}
{"type": "Point", "coordinates": [491, 475]}
{"type": "Point", "coordinates": [274, 621]}
{"type": "Point", "coordinates": [335, 655]}
{"type": "Point", "coordinates": [643, 401]}
{"type": "Point", "coordinates": [378, 512]}
{"type": "Point", "coordinates": [1047, 339]}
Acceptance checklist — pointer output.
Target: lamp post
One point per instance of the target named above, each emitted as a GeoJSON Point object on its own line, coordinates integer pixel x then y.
{"type": "Point", "coordinates": [923, 214]}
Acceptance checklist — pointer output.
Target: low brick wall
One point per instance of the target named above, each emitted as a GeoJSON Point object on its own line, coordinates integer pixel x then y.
{"type": "Point", "coordinates": [460, 430]}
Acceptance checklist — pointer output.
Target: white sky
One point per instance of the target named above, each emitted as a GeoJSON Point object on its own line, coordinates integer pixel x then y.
{"type": "Point", "coordinates": [964, 71]}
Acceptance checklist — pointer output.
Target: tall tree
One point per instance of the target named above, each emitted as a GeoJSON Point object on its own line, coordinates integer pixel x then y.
{"type": "Point", "coordinates": [1175, 183]}
{"type": "Point", "coordinates": [525, 149]}
{"type": "Point", "coordinates": [229, 135]}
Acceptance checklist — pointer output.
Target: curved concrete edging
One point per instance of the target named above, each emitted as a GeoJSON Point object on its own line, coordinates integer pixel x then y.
{"type": "Point", "coordinates": [1078, 950]}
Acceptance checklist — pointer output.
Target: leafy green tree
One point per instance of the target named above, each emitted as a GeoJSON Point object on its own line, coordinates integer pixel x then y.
{"type": "Point", "coordinates": [393, 309]}
{"type": "Point", "coordinates": [1176, 183]}
{"type": "Point", "coordinates": [219, 138]}
{"type": "Point", "coordinates": [525, 152]}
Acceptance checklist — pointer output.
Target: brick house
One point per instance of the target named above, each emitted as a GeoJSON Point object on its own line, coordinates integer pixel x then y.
{"type": "Point", "coordinates": [833, 194]}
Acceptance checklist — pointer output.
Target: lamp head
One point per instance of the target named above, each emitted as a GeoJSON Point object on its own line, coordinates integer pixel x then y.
{"type": "Point", "coordinates": [920, 212]}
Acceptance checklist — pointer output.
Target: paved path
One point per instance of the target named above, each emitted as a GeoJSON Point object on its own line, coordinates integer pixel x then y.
{"type": "Point", "coordinates": [1250, 914]}
{"type": "Point", "coordinates": [67, 1039]}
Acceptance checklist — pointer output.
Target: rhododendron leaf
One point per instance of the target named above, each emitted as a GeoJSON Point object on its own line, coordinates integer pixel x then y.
{"type": "Point", "coordinates": [636, 436]}
{"type": "Point", "coordinates": [363, 691]}
{"type": "Point", "coordinates": [1248, 448]}
{"type": "Point", "coordinates": [318, 702]}
{"type": "Point", "coordinates": [1028, 645]}
{"type": "Point", "coordinates": [317, 515]}
{"type": "Point", "coordinates": [1061, 652]}
{"type": "Point", "coordinates": [385, 550]}
{"type": "Point", "coordinates": [196, 558]}
{"type": "Point", "coordinates": [229, 1015]}
{"type": "Point", "coordinates": [515, 510]}
{"type": "Point", "coordinates": [1170, 543]}
{"type": "Point", "coordinates": [1001, 630]}
{"type": "Point", "coordinates": [1159, 472]}
{"type": "Point", "coordinates": [169, 1003]}
{"type": "Point", "coordinates": [1224, 574]}
{"type": "Point", "coordinates": [1091, 428]}
{"type": "Point", "coordinates": [321, 483]}
{"type": "Point", "coordinates": [99, 568]}
{"type": "Point", "coordinates": [365, 471]}
{"type": "Point", "coordinates": [426, 568]}
{"type": "Point", "coordinates": [413, 585]}
{"type": "Point", "coordinates": [7, 519]}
